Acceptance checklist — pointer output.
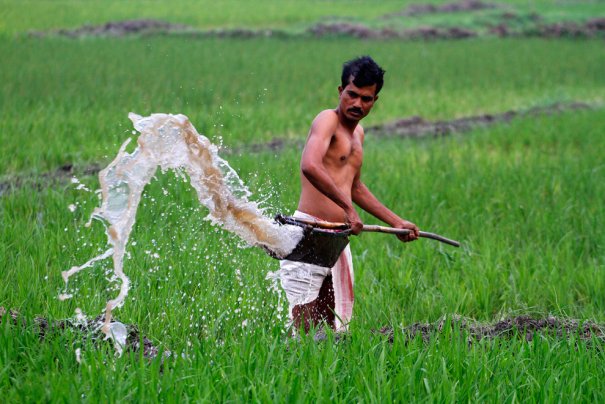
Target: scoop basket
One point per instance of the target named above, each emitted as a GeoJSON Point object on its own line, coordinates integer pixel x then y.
{"type": "Point", "coordinates": [323, 242]}
{"type": "Point", "coordinates": [318, 246]}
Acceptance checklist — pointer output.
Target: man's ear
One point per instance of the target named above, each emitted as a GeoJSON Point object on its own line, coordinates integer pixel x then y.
{"type": "Point", "coordinates": [375, 98]}
{"type": "Point", "coordinates": [339, 90]}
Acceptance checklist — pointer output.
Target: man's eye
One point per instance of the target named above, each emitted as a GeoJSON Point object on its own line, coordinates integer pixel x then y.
{"type": "Point", "coordinates": [366, 99]}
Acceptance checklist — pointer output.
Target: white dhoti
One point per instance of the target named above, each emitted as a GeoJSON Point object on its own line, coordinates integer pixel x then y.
{"type": "Point", "coordinates": [302, 282]}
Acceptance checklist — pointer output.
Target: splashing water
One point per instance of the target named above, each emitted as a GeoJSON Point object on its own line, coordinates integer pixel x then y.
{"type": "Point", "coordinates": [171, 142]}
{"type": "Point", "coordinates": [118, 333]}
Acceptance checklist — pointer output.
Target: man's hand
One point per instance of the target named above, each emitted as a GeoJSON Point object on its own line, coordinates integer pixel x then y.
{"type": "Point", "coordinates": [413, 235]}
{"type": "Point", "coordinates": [354, 221]}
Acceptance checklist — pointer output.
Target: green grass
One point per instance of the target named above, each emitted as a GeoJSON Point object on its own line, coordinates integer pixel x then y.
{"type": "Point", "coordinates": [480, 20]}
{"type": "Point", "coordinates": [21, 16]}
{"type": "Point", "coordinates": [524, 199]}
{"type": "Point", "coordinates": [66, 101]}
{"type": "Point", "coordinates": [363, 368]}
{"type": "Point", "coordinates": [18, 17]}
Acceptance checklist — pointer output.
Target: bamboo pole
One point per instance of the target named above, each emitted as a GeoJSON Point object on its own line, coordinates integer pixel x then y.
{"type": "Point", "coordinates": [376, 229]}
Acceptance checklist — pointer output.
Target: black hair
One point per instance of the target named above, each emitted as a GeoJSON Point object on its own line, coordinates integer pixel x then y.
{"type": "Point", "coordinates": [365, 72]}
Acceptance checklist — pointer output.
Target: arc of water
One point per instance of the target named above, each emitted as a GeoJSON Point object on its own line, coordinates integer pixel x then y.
{"type": "Point", "coordinates": [171, 142]}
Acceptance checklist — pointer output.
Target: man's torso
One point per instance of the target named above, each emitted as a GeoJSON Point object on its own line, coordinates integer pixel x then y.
{"type": "Point", "coordinates": [342, 161]}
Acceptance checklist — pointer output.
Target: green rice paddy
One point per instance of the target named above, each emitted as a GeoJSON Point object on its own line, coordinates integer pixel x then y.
{"type": "Point", "coordinates": [525, 199]}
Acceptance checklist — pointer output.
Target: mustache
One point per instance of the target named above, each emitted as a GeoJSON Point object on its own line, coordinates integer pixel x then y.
{"type": "Point", "coordinates": [357, 110]}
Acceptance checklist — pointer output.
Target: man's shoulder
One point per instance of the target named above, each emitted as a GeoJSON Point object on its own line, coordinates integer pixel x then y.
{"type": "Point", "coordinates": [326, 116]}
{"type": "Point", "coordinates": [325, 121]}
{"type": "Point", "coordinates": [359, 130]}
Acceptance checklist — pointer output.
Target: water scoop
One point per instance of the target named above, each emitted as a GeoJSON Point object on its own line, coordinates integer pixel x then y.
{"type": "Point", "coordinates": [323, 242]}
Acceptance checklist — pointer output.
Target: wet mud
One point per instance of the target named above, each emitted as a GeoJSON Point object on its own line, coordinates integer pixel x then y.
{"type": "Point", "coordinates": [416, 126]}
{"type": "Point", "coordinates": [360, 31]}
{"type": "Point", "coordinates": [508, 23]}
{"type": "Point", "coordinates": [524, 327]}
{"type": "Point", "coordinates": [43, 180]}
{"type": "Point", "coordinates": [117, 29]}
{"type": "Point", "coordinates": [319, 30]}
{"type": "Point", "coordinates": [154, 27]}
{"type": "Point", "coordinates": [89, 329]}
{"type": "Point", "coordinates": [506, 27]}
{"type": "Point", "coordinates": [453, 7]}
{"type": "Point", "coordinates": [592, 28]}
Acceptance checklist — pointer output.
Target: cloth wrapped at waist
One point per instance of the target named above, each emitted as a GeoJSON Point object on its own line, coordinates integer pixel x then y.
{"type": "Point", "coordinates": [302, 282]}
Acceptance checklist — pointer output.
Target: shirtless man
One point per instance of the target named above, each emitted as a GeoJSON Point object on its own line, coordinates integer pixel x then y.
{"type": "Point", "coordinates": [331, 181]}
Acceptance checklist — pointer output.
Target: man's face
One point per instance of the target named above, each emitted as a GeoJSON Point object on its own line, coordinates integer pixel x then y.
{"type": "Point", "coordinates": [356, 102]}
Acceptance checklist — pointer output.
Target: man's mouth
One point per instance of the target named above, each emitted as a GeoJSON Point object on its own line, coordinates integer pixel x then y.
{"type": "Point", "coordinates": [355, 111]}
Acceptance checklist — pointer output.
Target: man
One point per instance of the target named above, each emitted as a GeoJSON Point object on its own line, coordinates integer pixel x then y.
{"type": "Point", "coordinates": [331, 182]}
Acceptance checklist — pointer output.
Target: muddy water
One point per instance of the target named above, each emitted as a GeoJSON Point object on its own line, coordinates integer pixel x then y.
{"type": "Point", "coordinates": [170, 142]}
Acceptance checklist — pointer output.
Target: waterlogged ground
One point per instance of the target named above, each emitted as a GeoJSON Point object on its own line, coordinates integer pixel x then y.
{"type": "Point", "coordinates": [523, 196]}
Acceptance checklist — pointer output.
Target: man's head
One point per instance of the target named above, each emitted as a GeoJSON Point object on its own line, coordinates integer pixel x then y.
{"type": "Point", "coordinates": [361, 81]}
{"type": "Point", "coordinates": [362, 72]}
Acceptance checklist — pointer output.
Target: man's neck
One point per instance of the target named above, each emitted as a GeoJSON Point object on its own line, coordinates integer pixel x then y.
{"type": "Point", "coordinates": [347, 123]}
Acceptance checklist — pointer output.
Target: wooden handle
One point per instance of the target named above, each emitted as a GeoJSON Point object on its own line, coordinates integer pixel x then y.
{"type": "Point", "coordinates": [376, 229]}
{"type": "Point", "coordinates": [425, 234]}
{"type": "Point", "coordinates": [322, 223]}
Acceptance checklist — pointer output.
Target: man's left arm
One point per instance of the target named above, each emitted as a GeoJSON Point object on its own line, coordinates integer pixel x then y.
{"type": "Point", "coordinates": [362, 196]}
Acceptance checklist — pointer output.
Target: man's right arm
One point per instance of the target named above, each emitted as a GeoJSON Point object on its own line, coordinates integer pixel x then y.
{"type": "Point", "coordinates": [313, 169]}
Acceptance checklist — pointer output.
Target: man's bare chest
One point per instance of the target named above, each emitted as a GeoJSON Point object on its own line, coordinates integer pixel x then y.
{"type": "Point", "coordinates": [344, 150]}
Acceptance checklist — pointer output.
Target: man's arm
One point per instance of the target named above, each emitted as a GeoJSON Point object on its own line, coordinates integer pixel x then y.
{"type": "Point", "coordinates": [313, 169]}
{"type": "Point", "coordinates": [367, 201]}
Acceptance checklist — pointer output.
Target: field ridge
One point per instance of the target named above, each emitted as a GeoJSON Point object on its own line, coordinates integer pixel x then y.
{"type": "Point", "coordinates": [412, 127]}
{"type": "Point", "coordinates": [594, 27]}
